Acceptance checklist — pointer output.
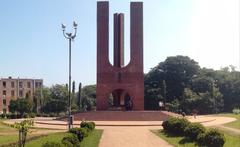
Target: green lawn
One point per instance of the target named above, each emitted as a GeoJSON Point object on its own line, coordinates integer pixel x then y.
{"type": "Point", "coordinates": [52, 137]}
{"type": "Point", "coordinates": [10, 135]}
{"type": "Point", "coordinates": [231, 141]}
{"type": "Point", "coordinates": [177, 141]}
{"type": "Point", "coordinates": [91, 141]}
{"type": "Point", "coordinates": [235, 124]}
{"type": "Point", "coordinates": [7, 134]}
{"type": "Point", "coordinates": [6, 139]}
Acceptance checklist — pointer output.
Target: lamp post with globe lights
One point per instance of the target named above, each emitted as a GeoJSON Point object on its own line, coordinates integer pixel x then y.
{"type": "Point", "coordinates": [70, 37]}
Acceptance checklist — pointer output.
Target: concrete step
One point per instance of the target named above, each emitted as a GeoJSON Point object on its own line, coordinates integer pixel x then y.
{"type": "Point", "coordinates": [122, 116]}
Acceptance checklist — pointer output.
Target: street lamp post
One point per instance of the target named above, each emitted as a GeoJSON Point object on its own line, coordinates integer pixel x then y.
{"type": "Point", "coordinates": [70, 38]}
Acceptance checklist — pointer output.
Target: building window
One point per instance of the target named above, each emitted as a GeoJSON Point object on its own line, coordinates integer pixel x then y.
{"type": "Point", "coordinates": [4, 92]}
{"type": "Point", "coordinates": [4, 102]}
{"type": "Point", "coordinates": [12, 93]}
{"type": "Point", "coordinates": [20, 84]}
{"type": "Point", "coordinates": [4, 84]}
{"type": "Point", "coordinates": [28, 94]}
{"type": "Point", "coordinates": [38, 84]}
{"type": "Point", "coordinates": [28, 84]}
{"type": "Point", "coordinates": [4, 111]}
{"type": "Point", "coordinates": [20, 93]}
{"type": "Point", "coordinates": [12, 84]}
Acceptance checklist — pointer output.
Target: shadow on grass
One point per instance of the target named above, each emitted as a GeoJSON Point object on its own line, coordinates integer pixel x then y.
{"type": "Point", "coordinates": [183, 141]}
{"type": "Point", "coordinates": [186, 140]}
{"type": "Point", "coordinates": [167, 134]}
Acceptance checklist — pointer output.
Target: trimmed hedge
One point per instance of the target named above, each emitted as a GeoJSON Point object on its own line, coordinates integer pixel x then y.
{"type": "Point", "coordinates": [71, 141]}
{"type": "Point", "coordinates": [211, 138]}
{"type": "Point", "coordinates": [80, 132]}
{"type": "Point", "coordinates": [90, 126]}
{"type": "Point", "coordinates": [193, 130]}
{"type": "Point", "coordinates": [175, 125]}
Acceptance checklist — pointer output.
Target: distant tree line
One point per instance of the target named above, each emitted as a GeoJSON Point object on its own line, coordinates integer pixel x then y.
{"type": "Point", "coordinates": [182, 85]}
{"type": "Point", "coordinates": [54, 100]}
{"type": "Point", "coordinates": [179, 82]}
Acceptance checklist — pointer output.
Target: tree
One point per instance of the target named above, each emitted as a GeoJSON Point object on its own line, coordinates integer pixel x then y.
{"type": "Point", "coordinates": [79, 96]}
{"type": "Point", "coordinates": [23, 128]}
{"type": "Point", "coordinates": [187, 86]}
{"type": "Point", "coordinates": [164, 91]}
{"type": "Point", "coordinates": [73, 98]}
{"type": "Point", "coordinates": [58, 100]}
{"type": "Point", "coordinates": [12, 106]}
{"type": "Point", "coordinates": [201, 84]}
{"type": "Point", "coordinates": [217, 98]}
{"type": "Point", "coordinates": [153, 97]}
{"type": "Point", "coordinates": [189, 101]}
{"type": "Point", "coordinates": [21, 106]}
{"type": "Point", "coordinates": [88, 97]}
{"type": "Point", "coordinates": [73, 87]}
{"type": "Point", "coordinates": [24, 106]}
{"type": "Point", "coordinates": [176, 72]}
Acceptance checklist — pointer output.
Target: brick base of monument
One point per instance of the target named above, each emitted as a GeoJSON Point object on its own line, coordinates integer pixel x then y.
{"type": "Point", "coordinates": [123, 116]}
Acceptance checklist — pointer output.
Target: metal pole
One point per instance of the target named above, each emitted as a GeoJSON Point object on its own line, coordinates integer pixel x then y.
{"type": "Point", "coordinates": [70, 37]}
{"type": "Point", "coordinates": [69, 92]}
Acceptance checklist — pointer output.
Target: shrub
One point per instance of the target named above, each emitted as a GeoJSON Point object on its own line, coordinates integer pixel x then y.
{"type": "Point", "coordinates": [80, 132]}
{"type": "Point", "coordinates": [175, 125]}
{"type": "Point", "coordinates": [52, 115]}
{"type": "Point", "coordinates": [32, 115]}
{"type": "Point", "coordinates": [52, 144]}
{"type": "Point", "coordinates": [12, 116]}
{"type": "Point", "coordinates": [212, 138]}
{"type": "Point", "coordinates": [38, 115]}
{"type": "Point", "coordinates": [90, 126]}
{"type": "Point", "coordinates": [71, 141]}
{"type": "Point", "coordinates": [25, 115]}
{"type": "Point", "coordinates": [236, 110]}
{"type": "Point", "coordinates": [193, 129]}
{"type": "Point", "coordinates": [201, 139]}
{"type": "Point", "coordinates": [45, 115]}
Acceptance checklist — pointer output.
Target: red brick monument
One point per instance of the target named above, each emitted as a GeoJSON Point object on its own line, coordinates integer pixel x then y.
{"type": "Point", "coordinates": [125, 83]}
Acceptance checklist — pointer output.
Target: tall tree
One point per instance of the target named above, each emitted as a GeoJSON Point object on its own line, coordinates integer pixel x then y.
{"type": "Point", "coordinates": [88, 97]}
{"type": "Point", "coordinates": [79, 96]}
{"type": "Point", "coordinates": [58, 100]}
{"type": "Point", "coordinates": [164, 91]}
{"type": "Point", "coordinates": [177, 72]}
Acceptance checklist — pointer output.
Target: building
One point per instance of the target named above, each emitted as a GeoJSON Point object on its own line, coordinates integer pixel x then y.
{"type": "Point", "coordinates": [16, 88]}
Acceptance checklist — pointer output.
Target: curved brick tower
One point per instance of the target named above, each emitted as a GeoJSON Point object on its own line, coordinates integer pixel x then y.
{"type": "Point", "coordinates": [124, 83]}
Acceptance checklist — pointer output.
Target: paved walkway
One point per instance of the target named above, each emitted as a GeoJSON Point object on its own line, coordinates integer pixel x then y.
{"type": "Point", "coordinates": [131, 137]}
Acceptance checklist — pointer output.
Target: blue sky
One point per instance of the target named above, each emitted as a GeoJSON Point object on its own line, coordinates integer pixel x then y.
{"type": "Point", "coordinates": [32, 44]}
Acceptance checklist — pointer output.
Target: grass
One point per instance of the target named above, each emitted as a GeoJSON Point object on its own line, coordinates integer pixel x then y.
{"type": "Point", "coordinates": [6, 139]}
{"type": "Point", "coordinates": [179, 141]}
{"type": "Point", "coordinates": [91, 141]}
{"type": "Point", "coordinates": [232, 141]}
{"type": "Point", "coordinates": [57, 137]}
{"type": "Point", "coordinates": [234, 124]}
{"type": "Point", "coordinates": [7, 134]}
